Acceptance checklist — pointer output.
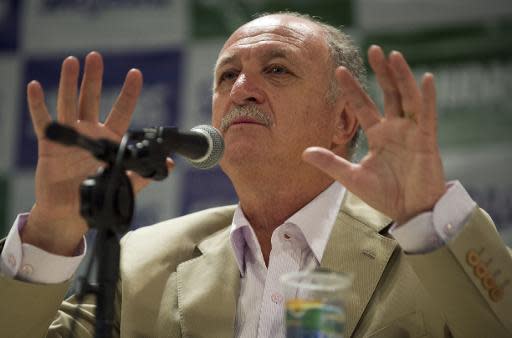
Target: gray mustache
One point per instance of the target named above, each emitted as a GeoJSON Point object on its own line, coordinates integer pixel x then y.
{"type": "Point", "coordinates": [250, 111]}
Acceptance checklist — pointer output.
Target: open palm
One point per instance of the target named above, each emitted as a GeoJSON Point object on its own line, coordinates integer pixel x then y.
{"type": "Point", "coordinates": [402, 174]}
{"type": "Point", "coordinates": [54, 222]}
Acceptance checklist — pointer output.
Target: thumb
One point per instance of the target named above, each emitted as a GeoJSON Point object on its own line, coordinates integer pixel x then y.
{"type": "Point", "coordinates": [333, 165]}
{"type": "Point", "coordinates": [139, 182]}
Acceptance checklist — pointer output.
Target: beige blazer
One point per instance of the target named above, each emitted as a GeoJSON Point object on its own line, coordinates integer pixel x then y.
{"type": "Point", "coordinates": [179, 278]}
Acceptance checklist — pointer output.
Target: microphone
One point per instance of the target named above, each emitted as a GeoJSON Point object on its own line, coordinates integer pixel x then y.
{"type": "Point", "coordinates": [203, 147]}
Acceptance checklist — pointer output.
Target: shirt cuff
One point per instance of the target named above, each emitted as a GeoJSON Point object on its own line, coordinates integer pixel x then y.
{"type": "Point", "coordinates": [29, 263]}
{"type": "Point", "coordinates": [431, 230]}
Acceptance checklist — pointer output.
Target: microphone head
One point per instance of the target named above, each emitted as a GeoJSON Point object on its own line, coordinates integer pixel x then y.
{"type": "Point", "coordinates": [215, 147]}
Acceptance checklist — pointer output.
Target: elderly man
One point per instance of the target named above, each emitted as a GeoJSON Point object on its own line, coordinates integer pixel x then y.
{"type": "Point", "coordinates": [289, 101]}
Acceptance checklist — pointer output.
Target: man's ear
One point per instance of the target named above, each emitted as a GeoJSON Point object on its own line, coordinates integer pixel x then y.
{"type": "Point", "coordinates": [346, 125]}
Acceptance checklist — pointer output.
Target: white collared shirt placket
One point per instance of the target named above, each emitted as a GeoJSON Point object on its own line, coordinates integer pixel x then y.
{"type": "Point", "coordinates": [260, 310]}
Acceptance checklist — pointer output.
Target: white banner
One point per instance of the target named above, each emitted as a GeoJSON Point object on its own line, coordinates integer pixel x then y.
{"type": "Point", "coordinates": [78, 25]}
{"type": "Point", "coordinates": [403, 15]}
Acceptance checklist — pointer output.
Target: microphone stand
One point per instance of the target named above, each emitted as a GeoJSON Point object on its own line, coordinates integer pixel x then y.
{"type": "Point", "coordinates": [107, 204]}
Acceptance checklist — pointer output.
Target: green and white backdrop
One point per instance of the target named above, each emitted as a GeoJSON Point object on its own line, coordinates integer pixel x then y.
{"type": "Point", "coordinates": [466, 43]}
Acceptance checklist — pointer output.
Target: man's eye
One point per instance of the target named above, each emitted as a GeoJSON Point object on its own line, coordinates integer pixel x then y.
{"type": "Point", "coordinates": [277, 70]}
{"type": "Point", "coordinates": [228, 75]}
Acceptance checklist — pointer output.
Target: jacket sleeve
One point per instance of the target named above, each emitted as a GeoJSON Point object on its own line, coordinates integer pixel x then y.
{"type": "Point", "coordinates": [30, 310]}
{"type": "Point", "coordinates": [469, 280]}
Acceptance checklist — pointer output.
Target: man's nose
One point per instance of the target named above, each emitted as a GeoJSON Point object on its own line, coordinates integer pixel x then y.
{"type": "Point", "coordinates": [245, 90]}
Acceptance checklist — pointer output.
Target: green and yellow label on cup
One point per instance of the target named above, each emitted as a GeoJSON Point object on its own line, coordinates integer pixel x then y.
{"type": "Point", "coordinates": [314, 304]}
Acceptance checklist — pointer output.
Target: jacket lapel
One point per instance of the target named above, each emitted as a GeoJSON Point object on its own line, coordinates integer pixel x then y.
{"type": "Point", "coordinates": [208, 288]}
{"type": "Point", "coordinates": [356, 247]}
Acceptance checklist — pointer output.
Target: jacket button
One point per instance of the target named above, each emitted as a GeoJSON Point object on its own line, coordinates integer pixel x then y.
{"type": "Point", "coordinates": [480, 271]}
{"type": "Point", "coordinates": [472, 258]}
{"type": "Point", "coordinates": [488, 282]}
{"type": "Point", "coordinates": [496, 294]}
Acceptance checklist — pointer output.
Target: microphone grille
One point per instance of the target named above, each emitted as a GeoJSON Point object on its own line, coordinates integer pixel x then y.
{"type": "Point", "coordinates": [216, 147]}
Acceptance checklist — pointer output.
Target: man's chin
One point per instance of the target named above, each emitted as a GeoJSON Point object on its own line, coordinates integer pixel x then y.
{"type": "Point", "coordinates": [241, 156]}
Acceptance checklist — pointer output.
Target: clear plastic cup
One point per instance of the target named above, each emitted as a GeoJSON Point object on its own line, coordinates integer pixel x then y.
{"type": "Point", "coordinates": [314, 305]}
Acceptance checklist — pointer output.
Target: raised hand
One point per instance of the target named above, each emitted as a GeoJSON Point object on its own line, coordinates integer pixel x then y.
{"type": "Point", "coordinates": [402, 174]}
{"type": "Point", "coordinates": [54, 223]}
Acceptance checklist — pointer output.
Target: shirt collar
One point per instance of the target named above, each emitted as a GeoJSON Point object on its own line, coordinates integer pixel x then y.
{"type": "Point", "coordinates": [241, 236]}
{"type": "Point", "coordinates": [315, 220]}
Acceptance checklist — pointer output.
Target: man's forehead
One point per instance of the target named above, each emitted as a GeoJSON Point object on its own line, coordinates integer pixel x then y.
{"type": "Point", "coordinates": [284, 24]}
{"type": "Point", "coordinates": [294, 31]}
